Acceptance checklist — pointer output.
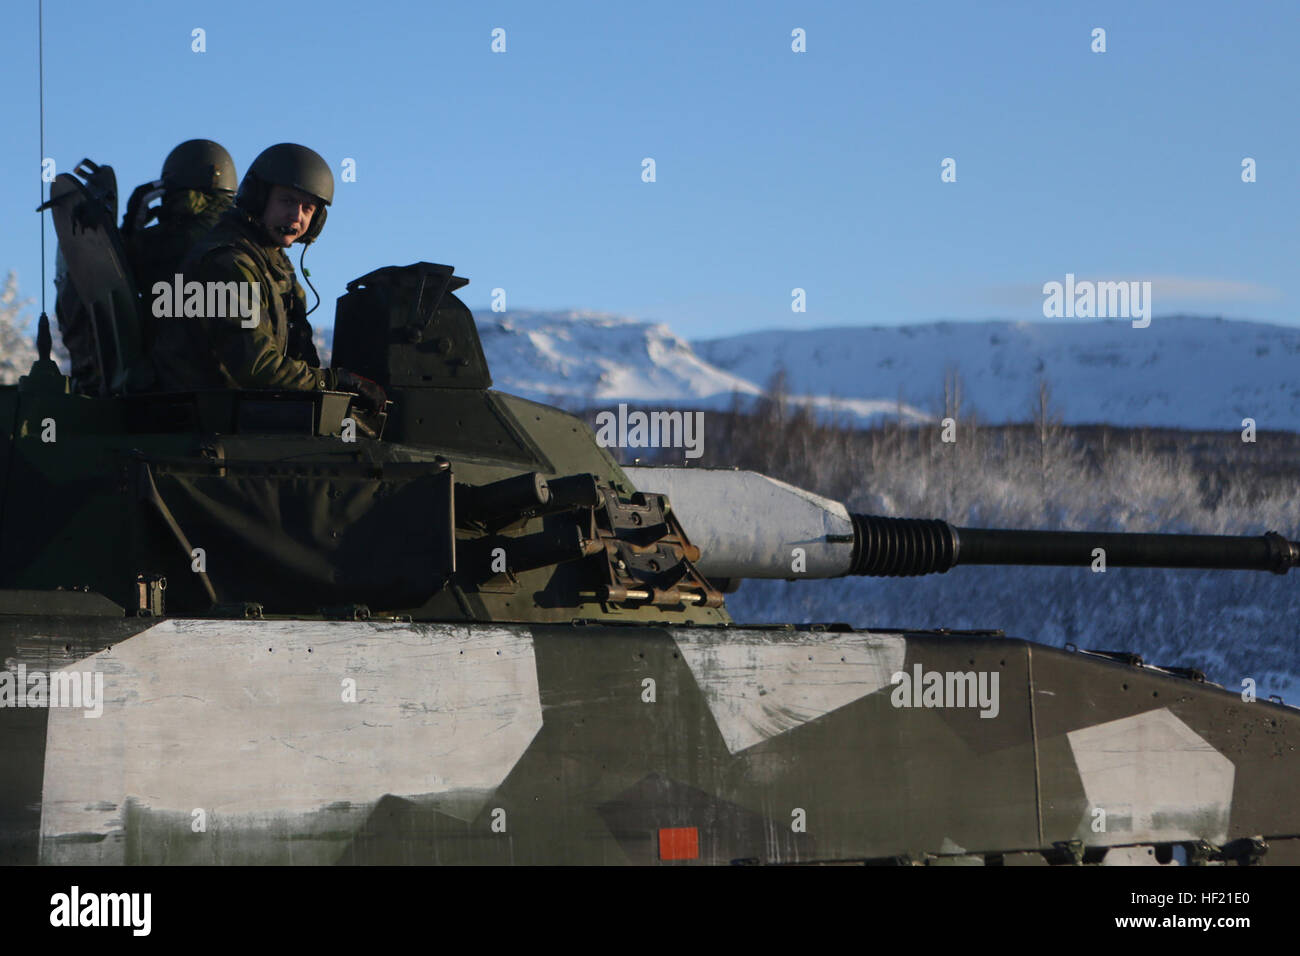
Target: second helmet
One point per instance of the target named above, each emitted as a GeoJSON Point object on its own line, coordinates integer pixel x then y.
{"type": "Point", "coordinates": [199, 164]}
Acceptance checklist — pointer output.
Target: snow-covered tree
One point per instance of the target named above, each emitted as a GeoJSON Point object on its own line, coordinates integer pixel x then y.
{"type": "Point", "coordinates": [17, 333]}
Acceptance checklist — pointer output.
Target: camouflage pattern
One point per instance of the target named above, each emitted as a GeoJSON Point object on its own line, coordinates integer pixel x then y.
{"type": "Point", "coordinates": [511, 744]}
{"type": "Point", "coordinates": [185, 217]}
{"type": "Point", "coordinates": [447, 709]}
{"type": "Point", "coordinates": [216, 352]}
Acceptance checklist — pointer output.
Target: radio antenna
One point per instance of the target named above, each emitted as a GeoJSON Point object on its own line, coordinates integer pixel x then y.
{"type": "Point", "coordinates": [43, 342]}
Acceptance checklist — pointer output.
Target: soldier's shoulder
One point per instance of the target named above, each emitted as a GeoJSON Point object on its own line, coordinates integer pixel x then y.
{"type": "Point", "coordinates": [143, 237]}
{"type": "Point", "coordinates": [145, 247]}
{"type": "Point", "coordinates": [220, 259]}
{"type": "Point", "coordinates": [193, 231]}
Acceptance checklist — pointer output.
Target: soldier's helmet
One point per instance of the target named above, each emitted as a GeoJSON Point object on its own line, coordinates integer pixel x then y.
{"type": "Point", "coordinates": [288, 164]}
{"type": "Point", "coordinates": [200, 164]}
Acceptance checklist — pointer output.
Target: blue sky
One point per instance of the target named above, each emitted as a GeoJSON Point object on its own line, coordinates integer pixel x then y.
{"type": "Point", "coordinates": [774, 169]}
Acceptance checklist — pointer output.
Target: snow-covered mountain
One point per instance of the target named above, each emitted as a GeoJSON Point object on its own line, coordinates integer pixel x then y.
{"type": "Point", "coordinates": [591, 358]}
{"type": "Point", "coordinates": [598, 356]}
{"type": "Point", "coordinates": [1185, 372]}
{"type": "Point", "coordinates": [1182, 372]}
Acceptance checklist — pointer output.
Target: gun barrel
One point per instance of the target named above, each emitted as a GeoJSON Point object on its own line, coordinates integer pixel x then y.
{"type": "Point", "coordinates": [747, 525]}
{"type": "Point", "coordinates": [1267, 552]}
{"type": "Point", "coordinates": [909, 546]}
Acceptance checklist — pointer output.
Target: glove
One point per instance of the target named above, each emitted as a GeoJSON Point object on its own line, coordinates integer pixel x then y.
{"type": "Point", "coordinates": [138, 214]}
{"type": "Point", "coordinates": [372, 396]}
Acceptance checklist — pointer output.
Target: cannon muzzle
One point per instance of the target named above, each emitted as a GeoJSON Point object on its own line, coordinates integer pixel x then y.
{"type": "Point", "coordinates": [747, 525]}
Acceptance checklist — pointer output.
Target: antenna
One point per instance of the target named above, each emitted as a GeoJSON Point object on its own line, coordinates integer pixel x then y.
{"type": "Point", "coordinates": [43, 326]}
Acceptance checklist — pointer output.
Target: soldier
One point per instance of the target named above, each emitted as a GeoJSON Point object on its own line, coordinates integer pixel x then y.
{"type": "Point", "coordinates": [197, 185]}
{"type": "Point", "coordinates": [282, 200]}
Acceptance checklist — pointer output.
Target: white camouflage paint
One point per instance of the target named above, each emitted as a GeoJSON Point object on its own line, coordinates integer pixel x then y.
{"type": "Point", "coordinates": [246, 720]}
{"type": "Point", "coordinates": [759, 684]}
{"type": "Point", "coordinates": [1135, 856]}
{"type": "Point", "coordinates": [1156, 778]}
{"type": "Point", "coordinates": [713, 502]}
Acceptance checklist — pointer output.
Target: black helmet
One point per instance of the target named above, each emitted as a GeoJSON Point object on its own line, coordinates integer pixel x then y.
{"type": "Point", "coordinates": [199, 164]}
{"type": "Point", "coordinates": [288, 164]}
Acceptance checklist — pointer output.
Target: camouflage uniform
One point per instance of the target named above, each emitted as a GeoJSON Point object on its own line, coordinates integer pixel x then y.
{"type": "Point", "coordinates": [213, 352]}
{"type": "Point", "coordinates": [185, 217]}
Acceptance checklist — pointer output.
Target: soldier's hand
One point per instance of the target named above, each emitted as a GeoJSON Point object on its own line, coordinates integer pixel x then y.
{"type": "Point", "coordinates": [138, 214]}
{"type": "Point", "coordinates": [371, 395]}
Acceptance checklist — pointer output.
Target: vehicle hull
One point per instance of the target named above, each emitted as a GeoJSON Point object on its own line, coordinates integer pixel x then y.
{"type": "Point", "coordinates": [328, 742]}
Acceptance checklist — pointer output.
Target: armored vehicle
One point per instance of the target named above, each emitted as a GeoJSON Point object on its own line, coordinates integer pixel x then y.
{"type": "Point", "coordinates": [264, 627]}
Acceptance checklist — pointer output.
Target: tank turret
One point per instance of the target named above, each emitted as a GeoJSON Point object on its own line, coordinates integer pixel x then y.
{"type": "Point", "coordinates": [461, 504]}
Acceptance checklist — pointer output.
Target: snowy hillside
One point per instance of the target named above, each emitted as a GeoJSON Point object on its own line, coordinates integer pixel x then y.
{"type": "Point", "coordinates": [1179, 372]}
{"type": "Point", "coordinates": [589, 358]}
{"type": "Point", "coordinates": [598, 356]}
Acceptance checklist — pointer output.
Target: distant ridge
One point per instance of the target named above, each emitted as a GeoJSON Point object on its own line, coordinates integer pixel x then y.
{"type": "Point", "coordinates": [1180, 372]}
